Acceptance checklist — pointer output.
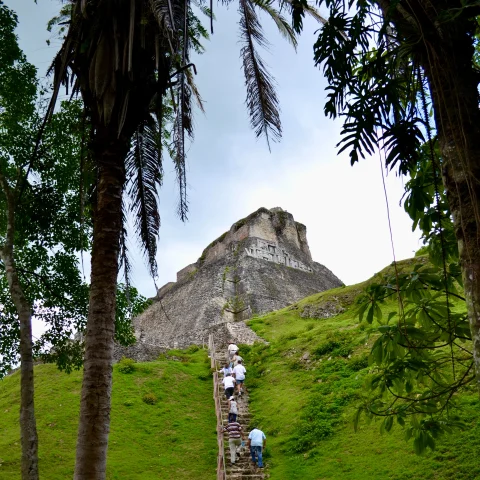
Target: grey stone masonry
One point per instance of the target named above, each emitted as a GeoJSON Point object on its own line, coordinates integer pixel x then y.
{"type": "Point", "coordinates": [263, 263]}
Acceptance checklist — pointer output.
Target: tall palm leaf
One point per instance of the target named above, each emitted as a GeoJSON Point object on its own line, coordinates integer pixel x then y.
{"type": "Point", "coordinates": [283, 26]}
{"type": "Point", "coordinates": [144, 177]}
{"type": "Point", "coordinates": [262, 100]}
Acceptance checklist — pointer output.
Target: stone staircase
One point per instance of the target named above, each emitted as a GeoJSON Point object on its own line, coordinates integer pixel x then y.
{"type": "Point", "coordinates": [243, 468]}
{"type": "Point", "coordinates": [239, 332]}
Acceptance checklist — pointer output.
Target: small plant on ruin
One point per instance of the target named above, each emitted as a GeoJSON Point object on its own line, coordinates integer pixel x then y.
{"type": "Point", "coordinates": [150, 399]}
{"type": "Point", "coordinates": [126, 365]}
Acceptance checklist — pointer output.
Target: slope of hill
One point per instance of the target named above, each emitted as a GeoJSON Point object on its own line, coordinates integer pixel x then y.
{"type": "Point", "coordinates": [172, 437]}
{"type": "Point", "coordinates": [305, 385]}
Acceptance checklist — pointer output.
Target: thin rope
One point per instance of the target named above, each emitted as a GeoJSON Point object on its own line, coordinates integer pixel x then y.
{"type": "Point", "coordinates": [388, 218]}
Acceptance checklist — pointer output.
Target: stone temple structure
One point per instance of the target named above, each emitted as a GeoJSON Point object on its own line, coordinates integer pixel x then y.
{"type": "Point", "coordinates": [263, 263]}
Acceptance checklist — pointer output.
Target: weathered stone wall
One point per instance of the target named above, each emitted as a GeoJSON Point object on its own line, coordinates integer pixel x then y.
{"type": "Point", "coordinates": [261, 264]}
{"type": "Point", "coordinates": [186, 272]}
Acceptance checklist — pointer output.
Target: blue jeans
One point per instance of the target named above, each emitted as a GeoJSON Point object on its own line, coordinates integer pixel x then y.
{"type": "Point", "coordinates": [256, 451]}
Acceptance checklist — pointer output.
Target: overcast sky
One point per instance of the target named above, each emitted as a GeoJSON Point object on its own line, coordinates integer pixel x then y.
{"type": "Point", "coordinates": [231, 174]}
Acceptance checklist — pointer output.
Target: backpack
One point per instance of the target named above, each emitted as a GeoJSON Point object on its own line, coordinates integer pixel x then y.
{"type": "Point", "coordinates": [233, 407]}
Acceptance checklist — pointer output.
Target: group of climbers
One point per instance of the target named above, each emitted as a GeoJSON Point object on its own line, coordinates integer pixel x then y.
{"type": "Point", "coordinates": [233, 372]}
{"type": "Point", "coordinates": [234, 376]}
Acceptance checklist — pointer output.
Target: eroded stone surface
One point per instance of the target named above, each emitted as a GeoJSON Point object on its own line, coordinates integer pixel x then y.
{"type": "Point", "coordinates": [261, 264]}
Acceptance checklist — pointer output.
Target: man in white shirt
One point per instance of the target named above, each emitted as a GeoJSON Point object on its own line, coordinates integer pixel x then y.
{"type": "Point", "coordinates": [229, 384]}
{"type": "Point", "coordinates": [239, 373]}
{"type": "Point", "coordinates": [232, 350]}
{"type": "Point", "coordinates": [257, 441]}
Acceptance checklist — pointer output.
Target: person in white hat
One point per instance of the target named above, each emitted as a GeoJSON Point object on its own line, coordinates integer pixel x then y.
{"type": "Point", "coordinates": [232, 350]}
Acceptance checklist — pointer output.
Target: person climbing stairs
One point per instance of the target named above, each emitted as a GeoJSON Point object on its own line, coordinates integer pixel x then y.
{"type": "Point", "coordinates": [243, 469]}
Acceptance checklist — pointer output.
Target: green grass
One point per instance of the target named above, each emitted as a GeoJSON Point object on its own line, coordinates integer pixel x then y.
{"type": "Point", "coordinates": [174, 438]}
{"type": "Point", "coordinates": [305, 385]}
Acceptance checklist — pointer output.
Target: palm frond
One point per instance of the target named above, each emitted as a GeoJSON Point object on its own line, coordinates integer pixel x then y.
{"type": "Point", "coordinates": [170, 19]}
{"type": "Point", "coordinates": [262, 101]}
{"type": "Point", "coordinates": [203, 8]}
{"type": "Point", "coordinates": [194, 90]}
{"type": "Point", "coordinates": [283, 26]}
{"type": "Point", "coordinates": [144, 176]}
{"type": "Point", "coordinates": [182, 124]}
{"type": "Point", "coordinates": [314, 13]}
{"type": "Point", "coordinates": [124, 255]}
{"type": "Point", "coordinates": [298, 9]}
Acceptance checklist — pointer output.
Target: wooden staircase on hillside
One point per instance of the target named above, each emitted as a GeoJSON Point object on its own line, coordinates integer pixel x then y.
{"type": "Point", "coordinates": [243, 469]}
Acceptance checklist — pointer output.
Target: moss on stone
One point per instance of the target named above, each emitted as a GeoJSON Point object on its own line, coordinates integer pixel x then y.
{"type": "Point", "coordinates": [220, 239]}
{"type": "Point", "coordinates": [237, 225]}
{"type": "Point", "coordinates": [201, 259]}
{"type": "Point", "coordinates": [192, 274]}
{"type": "Point", "coordinates": [281, 221]}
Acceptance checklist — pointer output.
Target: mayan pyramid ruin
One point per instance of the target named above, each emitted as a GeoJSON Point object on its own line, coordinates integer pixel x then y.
{"type": "Point", "coordinates": [263, 263]}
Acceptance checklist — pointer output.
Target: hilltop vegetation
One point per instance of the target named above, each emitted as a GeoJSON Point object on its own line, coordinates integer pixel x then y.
{"type": "Point", "coordinates": [163, 420]}
{"type": "Point", "coordinates": [305, 386]}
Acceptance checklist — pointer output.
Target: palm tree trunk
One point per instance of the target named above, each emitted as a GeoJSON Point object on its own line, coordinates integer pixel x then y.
{"type": "Point", "coordinates": [453, 85]}
{"type": "Point", "coordinates": [94, 424]}
{"type": "Point", "coordinates": [28, 425]}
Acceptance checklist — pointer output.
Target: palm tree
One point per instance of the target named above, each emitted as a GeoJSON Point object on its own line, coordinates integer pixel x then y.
{"type": "Point", "coordinates": [130, 60]}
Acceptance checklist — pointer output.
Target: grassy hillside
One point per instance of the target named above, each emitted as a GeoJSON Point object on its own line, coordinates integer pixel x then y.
{"type": "Point", "coordinates": [304, 388]}
{"type": "Point", "coordinates": [173, 438]}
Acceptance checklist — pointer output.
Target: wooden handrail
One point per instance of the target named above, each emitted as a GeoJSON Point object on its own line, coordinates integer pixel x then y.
{"type": "Point", "coordinates": [221, 470]}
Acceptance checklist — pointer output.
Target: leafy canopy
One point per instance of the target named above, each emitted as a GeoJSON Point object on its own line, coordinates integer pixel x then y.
{"type": "Point", "coordinates": [373, 58]}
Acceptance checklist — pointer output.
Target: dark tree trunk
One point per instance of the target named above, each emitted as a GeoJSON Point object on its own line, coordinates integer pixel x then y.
{"type": "Point", "coordinates": [454, 84]}
{"type": "Point", "coordinates": [440, 35]}
{"type": "Point", "coordinates": [28, 425]}
{"type": "Point", "coordinates": [446, 56]}
{"type": "Point", "coordinates": [109, 155]}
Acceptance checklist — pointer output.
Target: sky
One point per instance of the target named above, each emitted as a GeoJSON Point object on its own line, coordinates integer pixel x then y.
{"type": "Point", "coordinates": [231, 174]}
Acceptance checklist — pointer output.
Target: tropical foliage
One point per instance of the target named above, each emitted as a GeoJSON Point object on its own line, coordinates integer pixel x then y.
{"type": "Point", "coordinates": [390, 65]}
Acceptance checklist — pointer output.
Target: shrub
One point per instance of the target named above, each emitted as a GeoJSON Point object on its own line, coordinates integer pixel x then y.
{"type": "Point", "coordinates": [295, 365]}
{"type": "Point", "coordinates": [287, 336]}
{"type": "Point", "coordinates": [126, 365]}
{"type": "Point", "coordinates": [358, 363]}
{"type": "Point", "coordinates": [252, 384]}
{"type": "Point", "coordinates": [338, 344]}
{"type": "Point", "coordinates": [342, 351]}
{"type": "Point", "coordinates": [245, 349]}
{"type": "Point", "coordinates": [326, 347]}
{"type": "Point", "coordinates": [310, 433]}
{"type": "Point", "coordinates": [150, 399]}
{"type": "Point", "coordinates": [145, 368]}
{"type": "Point", "coordinates": [193, 349]}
